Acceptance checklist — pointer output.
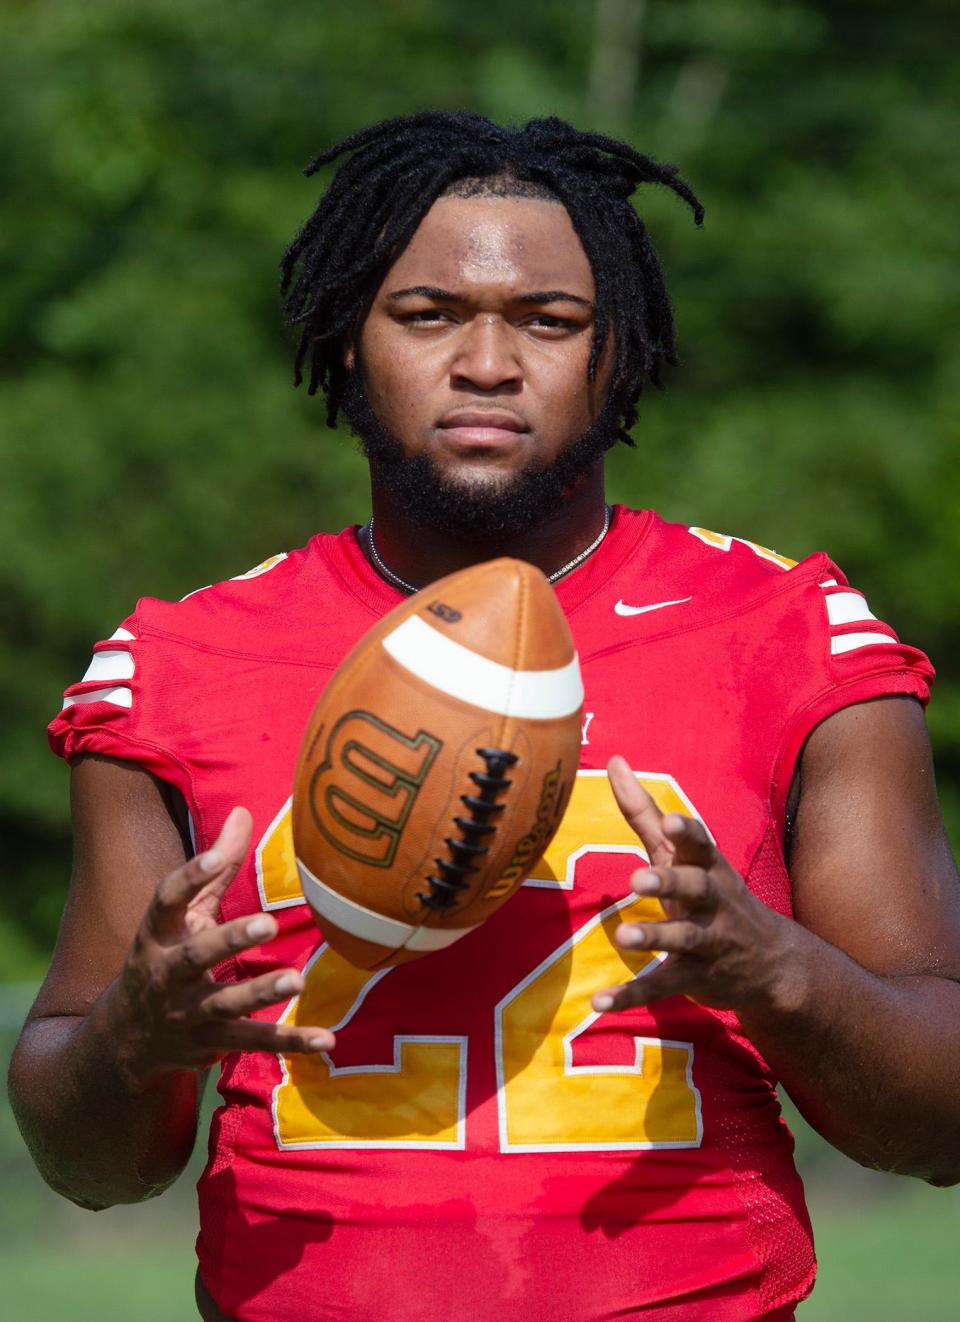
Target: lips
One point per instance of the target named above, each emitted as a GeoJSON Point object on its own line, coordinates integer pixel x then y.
{"type": "Point", "coordinates": [482, 427]}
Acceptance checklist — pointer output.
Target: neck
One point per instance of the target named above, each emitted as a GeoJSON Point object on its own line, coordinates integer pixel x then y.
{"type": "Point", "coordinates": [420, 554]}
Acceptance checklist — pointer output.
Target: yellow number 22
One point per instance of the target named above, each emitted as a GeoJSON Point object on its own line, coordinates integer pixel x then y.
{"type": "Point", "coordinates": [547, 1101]}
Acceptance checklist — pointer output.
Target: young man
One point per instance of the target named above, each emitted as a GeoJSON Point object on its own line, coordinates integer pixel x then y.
{"type": "Point", "coordinates": [547, 1119]}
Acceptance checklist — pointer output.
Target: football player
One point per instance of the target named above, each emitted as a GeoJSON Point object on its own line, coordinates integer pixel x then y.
{"type": "Point", "coordinates": [571, 1113]}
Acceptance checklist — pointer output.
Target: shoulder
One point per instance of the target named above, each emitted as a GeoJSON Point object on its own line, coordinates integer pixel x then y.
{"type": "Point", "coordinates": [292, 613]}
{"type": "Point", "coordinates": [726, 574]}
{"type": "Point", "coordinates": [794, 641]}
{"type": "Point", "coordinates": [288, 600]}
{"type": "Point", "coordinates": [766, 614]}
{"type": "Point", "coordinates": [704, 577]}
{"type": "Point", "coordinates": [727, 566]}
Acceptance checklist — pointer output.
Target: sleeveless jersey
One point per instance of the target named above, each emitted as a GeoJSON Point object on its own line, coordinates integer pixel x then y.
{"type": "Point", "coordinates": [481, 1143]}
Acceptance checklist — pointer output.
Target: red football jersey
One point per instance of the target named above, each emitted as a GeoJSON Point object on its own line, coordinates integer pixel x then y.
{"type": "Point", "coordinates": [481, 1143]}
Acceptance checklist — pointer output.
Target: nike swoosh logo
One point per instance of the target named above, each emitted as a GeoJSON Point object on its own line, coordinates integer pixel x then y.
{"type": "Point", "coordinates": [622, 608]}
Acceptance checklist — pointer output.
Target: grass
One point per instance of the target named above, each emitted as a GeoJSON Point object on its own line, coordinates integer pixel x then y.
{"type": "Point", "coordinates": [888, 1259]}
{"type": "Point", "coordinates": [145, 1284]}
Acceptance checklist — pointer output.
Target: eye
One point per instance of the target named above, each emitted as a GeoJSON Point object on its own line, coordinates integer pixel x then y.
{"type": "Point", "coordinates": [426, 317]}
{"type": "Point", "coordinates": [545, 322]}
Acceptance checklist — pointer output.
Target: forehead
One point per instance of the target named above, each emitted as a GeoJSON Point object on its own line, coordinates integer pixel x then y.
{"type": "Point", "coordinates": [520, 243]}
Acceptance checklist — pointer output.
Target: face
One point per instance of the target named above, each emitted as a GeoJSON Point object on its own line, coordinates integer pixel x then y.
{"type": "Point", "coordinates": [474, 353]}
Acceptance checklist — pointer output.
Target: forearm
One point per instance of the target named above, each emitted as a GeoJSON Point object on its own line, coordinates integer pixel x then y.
{"type": "Point", "coordinates": [872, 1062]}
{"type": "Point", "coordinates": [98, 1134]}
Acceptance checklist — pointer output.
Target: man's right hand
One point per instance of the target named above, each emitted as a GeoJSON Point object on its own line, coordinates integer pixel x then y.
{"type": "Point", "coordinates": [167, 1010]}
{"type": "Point", "coordinates": [104, 1078]}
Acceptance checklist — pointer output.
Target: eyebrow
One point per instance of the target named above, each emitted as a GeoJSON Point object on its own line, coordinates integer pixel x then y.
{"type": "Point", "coordinates": [445, 296]}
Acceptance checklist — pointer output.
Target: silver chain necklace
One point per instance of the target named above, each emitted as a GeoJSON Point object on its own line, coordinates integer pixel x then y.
{"type": "Point", "coordinates": [404, 586]}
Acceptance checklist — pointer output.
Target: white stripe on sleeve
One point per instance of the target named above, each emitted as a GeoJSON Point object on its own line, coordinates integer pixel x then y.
{"type": "Point", "coordinates": [109, 666]}
{"type": "Point", "coordinates": [118, 697]}
{"type": "Point", "coordinates": [847, 607]}
{"type": "Point", "coordinates": [849, 642]}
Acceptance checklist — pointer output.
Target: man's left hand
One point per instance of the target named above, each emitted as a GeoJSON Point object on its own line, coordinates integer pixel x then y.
{"type": "Point", "coordinates": [724, 947]}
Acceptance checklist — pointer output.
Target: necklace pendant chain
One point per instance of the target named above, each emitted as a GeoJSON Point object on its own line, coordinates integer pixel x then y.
{"type": "Point", "coordinates": [401, 583]}
{"type": "Point", "coordinates": [385, 571]}
{"type": "Point", "coordinates": [586, 552]}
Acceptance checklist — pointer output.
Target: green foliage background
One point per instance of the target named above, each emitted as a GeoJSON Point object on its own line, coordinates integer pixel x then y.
{"type": "Point", "coordinates": [151, 442]}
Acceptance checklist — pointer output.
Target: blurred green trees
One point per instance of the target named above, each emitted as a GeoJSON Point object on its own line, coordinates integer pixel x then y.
{"type": "Point", "coordinates": [150, 178]}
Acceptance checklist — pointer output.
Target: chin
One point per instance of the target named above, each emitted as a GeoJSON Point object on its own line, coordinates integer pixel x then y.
{"type": "Point", "coordinates": [482, 479]}
{"type": "Point", "coordinates": [472, 501]}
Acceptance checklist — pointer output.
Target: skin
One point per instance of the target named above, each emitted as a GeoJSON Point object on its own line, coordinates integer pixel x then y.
{"type": "Point", "coordinates": [489, 345]}
{"type": "Point", "coordinates": [856, 1004]}
{"type": "Point", "coordinates": [104, 1081]}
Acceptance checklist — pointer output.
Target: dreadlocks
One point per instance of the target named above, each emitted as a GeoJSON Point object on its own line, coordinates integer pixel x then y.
{"type": "Point", "coordinates": [399, 168]}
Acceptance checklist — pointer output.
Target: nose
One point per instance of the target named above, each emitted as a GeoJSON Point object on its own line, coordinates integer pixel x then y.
{"type": "Point", "coordinates": [486, 360]}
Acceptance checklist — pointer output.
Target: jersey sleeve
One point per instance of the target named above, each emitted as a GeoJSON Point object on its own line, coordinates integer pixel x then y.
{"type": "Point", "coordinates": [851, 656]}
{"type": "Point", "coordinates": [113, 711]}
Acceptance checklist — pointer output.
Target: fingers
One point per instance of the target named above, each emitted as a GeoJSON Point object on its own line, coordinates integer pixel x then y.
{"type": "Point", "coordinates": [639, 991]}
{"type": "Point", "coordinates": [235, 1000]}
{"type": "Point", "coordinates": [670, 838]}
{"type": "Point", "coordinates": [185, 1019]}
{"type": "Point", "coordinates": [678, 936]}
{"type": "Point", "coordinates": [715, 941]}
{"type": "Point", "coordinates": [690, 841]}
{"type": "Point", "coordinates": [690, 942]}
{"type": "Point", "coordinates": [214, 868]}
{"type": "Point", "coordinates": [692, 888]}
{"type": "Point", "coordinates": [642, 814]}
{"type": "Point", "coordinates": [225, 1024]}
{"type": "Point", "coordinates": [663, 976]}
{"type": "Point", "coordinates": [257, 1035]}
{"type": "Point", "coordinates": [207, 948]}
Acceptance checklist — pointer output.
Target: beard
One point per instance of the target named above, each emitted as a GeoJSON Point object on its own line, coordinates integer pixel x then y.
{"type": "Point", "coordinates": [472, 511]}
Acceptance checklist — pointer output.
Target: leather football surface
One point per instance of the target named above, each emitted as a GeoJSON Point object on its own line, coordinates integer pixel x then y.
{"type": "Point", "coordinates": [437, 764]}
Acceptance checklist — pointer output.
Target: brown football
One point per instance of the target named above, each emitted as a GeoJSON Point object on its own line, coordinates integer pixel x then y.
{"type": "Point", "coordinates": [437, 764]}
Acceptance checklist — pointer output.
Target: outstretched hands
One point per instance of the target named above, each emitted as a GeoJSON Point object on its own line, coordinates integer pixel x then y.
{"type": "Point", "coordinates": [173, 1014]}
{"type": "Point", "coordinates": [725, 948]}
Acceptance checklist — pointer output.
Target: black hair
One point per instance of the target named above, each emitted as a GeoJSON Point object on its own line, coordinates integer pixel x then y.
{"type": "Point", "coordinates": [397, 170]}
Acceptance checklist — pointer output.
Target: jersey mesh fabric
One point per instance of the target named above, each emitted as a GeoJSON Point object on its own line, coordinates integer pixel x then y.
{"type": "Point", "coordinates": [778, 1229]}
{"type": "Point", "coordinates": [707, 661]}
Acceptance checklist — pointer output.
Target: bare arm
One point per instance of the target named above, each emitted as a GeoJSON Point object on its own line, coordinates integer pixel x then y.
{"type": "Point", "coordinates": [856, 1005]}
{"type": "Point", "coordinates": [877, 1069]}
{"type": "Point", "coordinates": [104, 1078]}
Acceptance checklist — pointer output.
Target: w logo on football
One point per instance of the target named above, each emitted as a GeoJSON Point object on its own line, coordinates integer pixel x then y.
{"type": "Point", "coordinates": [362, 792]}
